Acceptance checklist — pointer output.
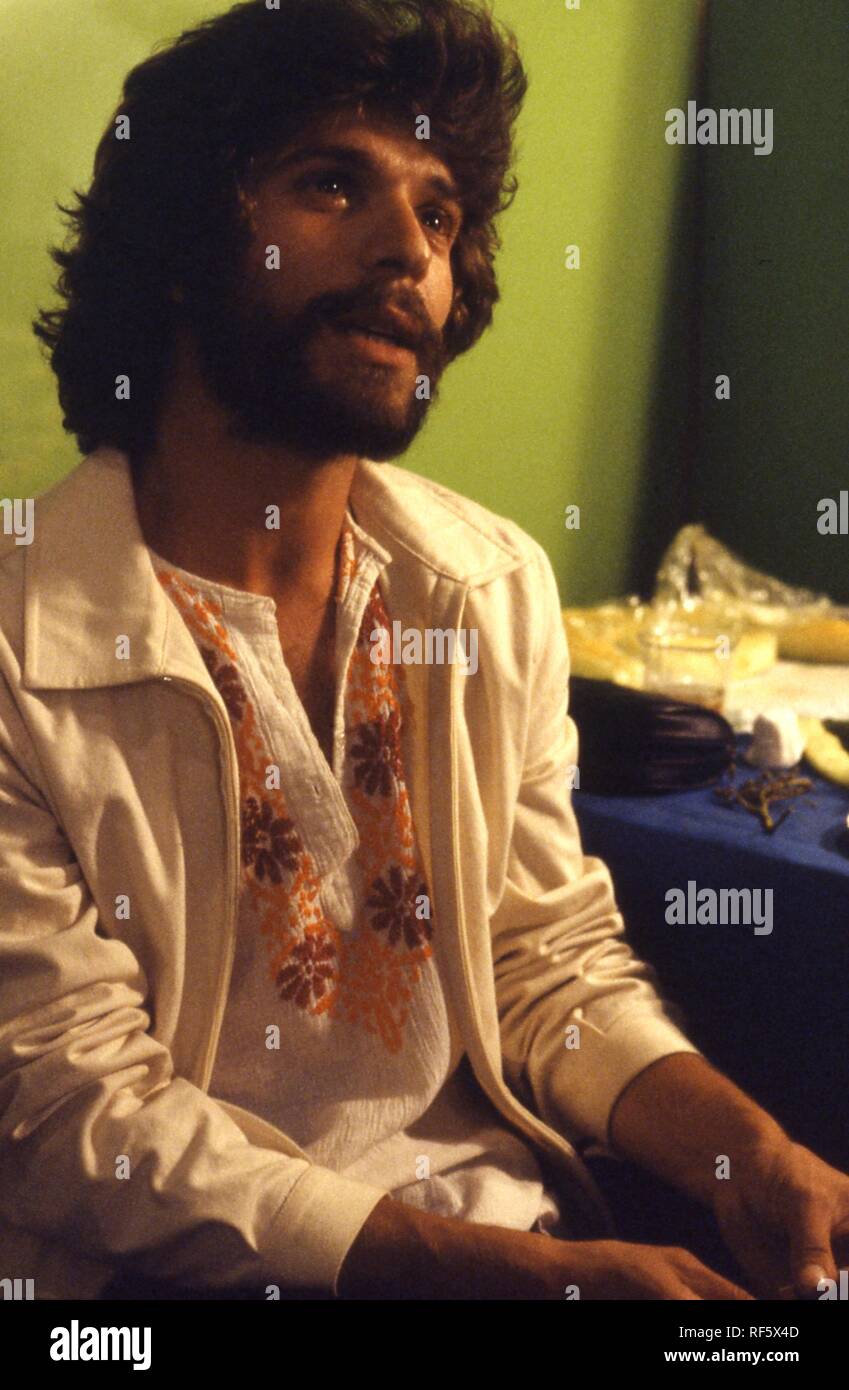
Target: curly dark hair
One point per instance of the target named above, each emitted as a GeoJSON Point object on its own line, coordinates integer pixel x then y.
{"type": "Point", "coordinates": [166, 207]}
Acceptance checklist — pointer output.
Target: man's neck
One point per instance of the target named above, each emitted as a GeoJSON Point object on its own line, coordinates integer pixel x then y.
{"type": "Point", "coordinates": [254, 518]}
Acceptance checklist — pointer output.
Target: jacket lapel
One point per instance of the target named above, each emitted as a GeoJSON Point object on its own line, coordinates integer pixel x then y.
{"type": "Point", "coordinates": [89, 581]}
{"type": "Point", "coordinates": [85, 589]}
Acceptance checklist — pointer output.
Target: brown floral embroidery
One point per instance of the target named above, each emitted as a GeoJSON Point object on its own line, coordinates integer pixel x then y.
{"type": "Point", "coordinates": [311, 966]}
{"type": "Point", "coordinates": [227, 683]}
{"type": "Point", "coordinates": [365, 976]}
{"type": "Point", "coordinates": [269, 842]}
{"type": "Point", "coordinates": [374, 618]}
{"type": "Point", "coordinates": [377, 755]}
{"type": "Point", "coordinates": [401, 902]}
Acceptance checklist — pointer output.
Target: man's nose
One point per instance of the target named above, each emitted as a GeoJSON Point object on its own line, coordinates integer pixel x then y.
{"type": "Point", "coordinates": [396, 237]}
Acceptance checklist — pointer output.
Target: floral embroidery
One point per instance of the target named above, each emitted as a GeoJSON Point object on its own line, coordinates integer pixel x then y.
{"type": "Point", "coordinates": [377, 755]}
{"type": "Point", "coordinates": [379, 983]}
{"type": "Point", "coordinates": [268, 842]}
{"type": "Point", "coordinates": [365, 976]}
{"type": "Point", "coordinates": [374, 617]}
{"type": "Point", "coordinates": [311, 965]}
{"type": "Point", "coordinates": [227, 683]}
{"type": "Point", "coordinates": [397, 901]}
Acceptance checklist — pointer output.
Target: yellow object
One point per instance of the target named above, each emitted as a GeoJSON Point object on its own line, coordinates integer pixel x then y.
{"type": "Point", "coordinates": [598, 658]}
{"type": "Point", "coordinates": [824, 751]}
{"type": "Point", "coordinates": [602, 661]}
{"type": "Point", "coordinates": [755, 652]}
{"type": "Point", "coordinates": [818, 639]}
{"type": "Point", "coordinates": [604, 645]}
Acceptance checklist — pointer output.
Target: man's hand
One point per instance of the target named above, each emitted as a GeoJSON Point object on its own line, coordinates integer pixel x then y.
{"type": "Point", "coordinates": [616, 1269]}
{"type": "Point", "coordinates": [785, 1215]}
{"type": "Point", "coordinates": [783, 1212]}
{"type": "Point", "coordinates": [402, 1252]}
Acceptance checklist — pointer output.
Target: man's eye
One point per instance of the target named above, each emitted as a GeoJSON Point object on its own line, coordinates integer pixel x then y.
{"type": "Point", "coordinates": [319, 181]}
{"type": "Point", "coordinates": [447, 221]}
{"type": "Point", "coordinates": [339, 184]}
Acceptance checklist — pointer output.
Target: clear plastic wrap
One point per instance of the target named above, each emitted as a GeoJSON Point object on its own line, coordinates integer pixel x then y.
{"type": "Point", "coordinates": [697, 566]}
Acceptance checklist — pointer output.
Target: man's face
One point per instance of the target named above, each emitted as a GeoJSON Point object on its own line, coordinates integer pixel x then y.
{"type": "Point", "coordinates": [365, 217]}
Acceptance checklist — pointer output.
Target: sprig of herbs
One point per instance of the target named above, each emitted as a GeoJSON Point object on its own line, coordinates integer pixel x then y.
{"type": "Point", "coordinates": [757, 793]}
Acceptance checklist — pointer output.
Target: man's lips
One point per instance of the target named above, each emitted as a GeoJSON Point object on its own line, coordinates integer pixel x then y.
{"type": "Point", "coordinates": [390, 324]}
{"type": "Point", "coordinates": [375, 344]}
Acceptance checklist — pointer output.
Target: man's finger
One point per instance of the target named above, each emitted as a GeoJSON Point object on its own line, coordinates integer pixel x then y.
{"type": "Point", "coordinates": [717, 1286]}
{"type": "Point", "coordinates": [811, 1258]}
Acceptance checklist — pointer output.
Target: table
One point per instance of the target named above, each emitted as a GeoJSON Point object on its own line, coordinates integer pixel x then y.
{"type": "Point", "coordinates": [770, 1009]}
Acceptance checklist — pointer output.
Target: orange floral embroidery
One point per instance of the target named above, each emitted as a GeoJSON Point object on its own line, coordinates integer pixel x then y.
{"type": "Point", "coordinates": [365, 976]}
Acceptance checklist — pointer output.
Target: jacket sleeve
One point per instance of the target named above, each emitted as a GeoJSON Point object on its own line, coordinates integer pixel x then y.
{"type": "Point", "coordinates": [87, 1096]}
{"type": "Point", "coordinates": [559, 951]}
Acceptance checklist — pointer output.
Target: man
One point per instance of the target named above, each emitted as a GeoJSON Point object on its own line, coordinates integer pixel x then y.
{"type": "Point", "coordinates": [305, 978]}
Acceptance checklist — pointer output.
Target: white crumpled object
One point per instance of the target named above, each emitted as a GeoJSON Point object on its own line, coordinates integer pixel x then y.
{"type": "Point", "coordinates": [777, 739]}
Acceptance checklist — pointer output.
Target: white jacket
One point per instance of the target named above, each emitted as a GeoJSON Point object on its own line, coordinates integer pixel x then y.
{"type": "Point", "coordinates": [118, 781]}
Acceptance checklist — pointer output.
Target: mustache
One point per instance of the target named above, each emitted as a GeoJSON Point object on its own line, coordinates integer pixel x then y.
{"type": "Point", "coordinates": [238, 311]}
{"type": "Point", "coordinates": [338, 308]}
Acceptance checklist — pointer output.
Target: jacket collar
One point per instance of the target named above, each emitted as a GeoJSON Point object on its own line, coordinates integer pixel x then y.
{"type": "Point", "coordinates": [89, 580]}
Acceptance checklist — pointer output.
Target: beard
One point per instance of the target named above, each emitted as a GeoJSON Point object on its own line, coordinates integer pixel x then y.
{"type": "Point", "coordinates": [255, 361]}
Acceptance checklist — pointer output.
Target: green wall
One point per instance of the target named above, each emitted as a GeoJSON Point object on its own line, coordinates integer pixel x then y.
{"type": "Point", "coordinates": [577, 395]}
{"type": "Point", "coordinates": [776, 311]}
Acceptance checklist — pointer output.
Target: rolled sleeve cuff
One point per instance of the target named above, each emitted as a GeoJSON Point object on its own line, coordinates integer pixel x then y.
{"type": "Point", "coordinates": [591, 1078]}
{"type": "Point", "coordinates": [319, 1222]}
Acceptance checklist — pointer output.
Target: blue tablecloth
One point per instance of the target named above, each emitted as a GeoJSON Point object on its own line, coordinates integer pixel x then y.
{"type": "Point", "coordinates": [771, 1010]}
